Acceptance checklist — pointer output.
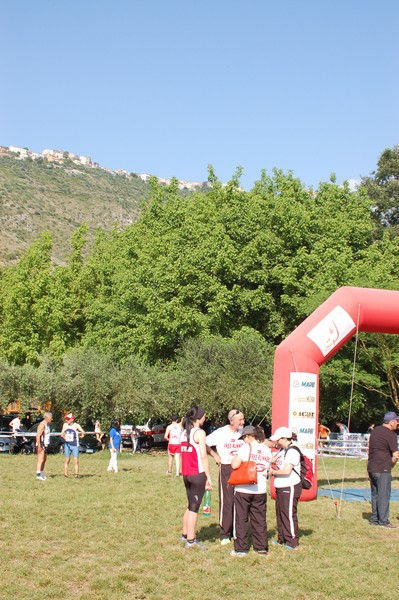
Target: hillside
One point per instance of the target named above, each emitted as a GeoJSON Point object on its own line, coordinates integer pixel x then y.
{"type": "Point", "coordinates": [37, 196]}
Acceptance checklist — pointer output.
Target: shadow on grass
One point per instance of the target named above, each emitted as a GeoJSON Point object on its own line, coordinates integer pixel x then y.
{"type": "Point", "coordinates": [366, 516]}
{"type": "Point", "coordinates": [62, 476]}
{"type": "Point", "coordinates": [210, 533]}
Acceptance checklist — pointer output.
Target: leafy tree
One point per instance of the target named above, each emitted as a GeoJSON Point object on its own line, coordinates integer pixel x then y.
{"type": "Point", "coordinates": [383, 188]}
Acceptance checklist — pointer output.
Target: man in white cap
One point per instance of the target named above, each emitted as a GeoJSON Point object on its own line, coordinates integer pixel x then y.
{"type": "Point", "coordinates": [286, 469]}
{"type": "Point", "coordinates": [227, 441]}
{"type": "Point", "coordinates": [383, 454]}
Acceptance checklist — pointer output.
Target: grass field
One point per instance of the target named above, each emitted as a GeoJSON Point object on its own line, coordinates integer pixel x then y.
{"type": "Point", "coordinates": [111, 536]}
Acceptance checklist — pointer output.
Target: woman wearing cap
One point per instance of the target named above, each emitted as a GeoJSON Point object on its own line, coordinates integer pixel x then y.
{"type": "Point", "coordinates": [71, 432]}
{"type": "Point", "coordinates": [286, 469]}
{"type": "Point", "coordinates": [250, 500]}
{"type": "Point", "coordinates": [195, 470]}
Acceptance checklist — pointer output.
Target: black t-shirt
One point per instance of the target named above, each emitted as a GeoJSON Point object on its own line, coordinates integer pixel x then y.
{"type": "Point", "coordinates": [382, 444]}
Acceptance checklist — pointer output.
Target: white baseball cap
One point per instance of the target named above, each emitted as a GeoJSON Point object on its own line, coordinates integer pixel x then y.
{"type": "Point", "coordinates": [281, 432]}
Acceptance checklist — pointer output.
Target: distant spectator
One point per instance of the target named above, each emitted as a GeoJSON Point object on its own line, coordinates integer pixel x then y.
{"type": "Point", "coordinates": [71, 432]}
{"type": "Point", "coordinates": [98, 433]}
{"type": "Point", "coordinates": [134, 436]}
{"type": "Point", "coordinates": [324, 434]}
{"type": "Point", "coordinates": [42, 443]}
{"type": "Point", "coordinates": [370, 428]}
{"type": "Point", "coordinates": [15, 425]}
{"type": "Point", "coordinates": [343, 429]}
{"type": "Point", "coordinates": [172, 436]}
{"type": "Point", "coordinates": [115, 440]}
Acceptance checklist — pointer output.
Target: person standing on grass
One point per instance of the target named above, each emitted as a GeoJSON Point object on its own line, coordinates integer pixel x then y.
{"type": "Point", "coordinates": [227, 441]}
{"type": "Point", "coordinates": [42, 443]}
{"type": "Point", "coordinates": [287, 482]}
{"type": "Point", "coordinates": [172, 436]}
{"type": "Point", "coordinates": [250, 500]}
{"type": "Point", "coordinates": [71, 432]}
{"type": "Point", "coordinates": [383, 455]}
{"type": "Point", "coordinates": [195, 470]}
{"type": "Point", "coordinates": [115, 440]}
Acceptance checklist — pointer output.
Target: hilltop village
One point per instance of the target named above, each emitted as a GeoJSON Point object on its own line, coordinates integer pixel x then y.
{"type": "Point", "coordinates": [68, 159]}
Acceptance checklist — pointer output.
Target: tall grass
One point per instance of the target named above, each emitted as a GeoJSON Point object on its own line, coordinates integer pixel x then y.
{"type": "Point", "coordinates": [112, 536]}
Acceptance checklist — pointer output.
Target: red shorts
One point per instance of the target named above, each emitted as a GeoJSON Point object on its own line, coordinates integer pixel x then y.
{"type": "Point", "coordinates": [174, 448]}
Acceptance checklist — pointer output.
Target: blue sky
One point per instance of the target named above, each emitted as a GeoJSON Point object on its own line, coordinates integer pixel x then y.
{"type": "Point", "coordinates": [168, 86]}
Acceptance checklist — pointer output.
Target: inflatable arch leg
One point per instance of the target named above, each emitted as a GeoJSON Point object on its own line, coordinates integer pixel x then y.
{"type": "Point", "coordinates": [298, 358]}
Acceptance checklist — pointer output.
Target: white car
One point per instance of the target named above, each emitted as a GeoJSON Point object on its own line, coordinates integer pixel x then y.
{"type": "Point", "coordinates": [155, 428]}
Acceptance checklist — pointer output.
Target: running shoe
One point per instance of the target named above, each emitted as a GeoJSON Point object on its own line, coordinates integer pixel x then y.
{"type": "Point", "coordinates": [235, 553]}
{"type": "Point", "coordinates": [195, 544]}
{"type": "Point", "coordinates": [225, 541]}
{"type": "Point", "coordinates": [41, 477]}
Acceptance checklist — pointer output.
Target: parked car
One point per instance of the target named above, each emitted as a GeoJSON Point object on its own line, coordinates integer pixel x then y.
{"type": "Point", "coordinates": [89, 444]}
{"type": "Point", "coordinates": [155, 428]}
{"type": "Point", "coordinates": [126, 432]}
{"type": "Point", "coordinates": [6, 441]}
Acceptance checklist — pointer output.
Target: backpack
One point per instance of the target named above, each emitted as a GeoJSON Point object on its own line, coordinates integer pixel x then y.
{"type": "Point", "coordinates": [306, 473]}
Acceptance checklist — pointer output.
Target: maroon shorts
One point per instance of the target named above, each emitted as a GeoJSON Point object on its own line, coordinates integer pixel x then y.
{"type": "Point", "coordinates": [174, 449]}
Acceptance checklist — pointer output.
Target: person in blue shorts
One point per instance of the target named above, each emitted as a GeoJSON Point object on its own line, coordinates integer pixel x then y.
{"type": "Point", "coordinates": [71, 432]}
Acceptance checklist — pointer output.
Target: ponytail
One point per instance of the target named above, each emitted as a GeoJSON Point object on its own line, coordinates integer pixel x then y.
{"type": "Point", "coordinates": [195, 413]}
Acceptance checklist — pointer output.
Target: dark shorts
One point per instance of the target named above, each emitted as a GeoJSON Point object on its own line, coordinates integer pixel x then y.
{"type": "Point", "coordinates": [195, 489]}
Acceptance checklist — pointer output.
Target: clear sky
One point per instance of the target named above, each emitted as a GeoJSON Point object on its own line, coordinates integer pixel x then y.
{"type": "Point", "coordinates": [168, 86]}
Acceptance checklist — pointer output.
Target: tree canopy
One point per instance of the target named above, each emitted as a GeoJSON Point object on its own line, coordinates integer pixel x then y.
{"type": "Point", "coordinates": [188, 303]}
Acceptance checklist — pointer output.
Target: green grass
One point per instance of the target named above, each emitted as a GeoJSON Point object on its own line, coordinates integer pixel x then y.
{"type": "Point", "coordinates": [111, 536]}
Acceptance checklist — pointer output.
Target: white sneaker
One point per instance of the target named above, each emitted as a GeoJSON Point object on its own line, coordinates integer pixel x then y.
{"type": "Point", "coordinates": [195, 544]}
{"type": "Point", "coordinates": [41, 477]}
{"type": "Point", "coordinates": [109, 469]}
{"type": "Point", "coordinates": [234, 553]}
{"type": "Point", "coordinates": [225, 541]}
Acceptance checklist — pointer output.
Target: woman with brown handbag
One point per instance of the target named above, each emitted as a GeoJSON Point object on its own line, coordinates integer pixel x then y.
{"type": "Point", "coordinates": [250, 499]}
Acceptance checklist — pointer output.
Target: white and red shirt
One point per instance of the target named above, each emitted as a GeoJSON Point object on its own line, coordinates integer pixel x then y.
{"type": "Point", "coordinates": [284, 456]}
{"type": "Point", "coordinates": [175, 434]}
{"type": "Point", "coordinates": [262, 455]}
{"type": "Point", "coordinates": [191, 463]}
{"type": "Point", "coordinates": [227, 443]}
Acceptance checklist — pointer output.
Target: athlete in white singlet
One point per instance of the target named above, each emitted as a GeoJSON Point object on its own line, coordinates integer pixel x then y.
{"type": "Point", "coordinates": [42, 442]}
{"type": "Point", "coordinates": [172, 436]}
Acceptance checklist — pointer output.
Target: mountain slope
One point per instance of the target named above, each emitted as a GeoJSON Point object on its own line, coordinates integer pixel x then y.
{"type": "Point", "coordinates": [37, 196]}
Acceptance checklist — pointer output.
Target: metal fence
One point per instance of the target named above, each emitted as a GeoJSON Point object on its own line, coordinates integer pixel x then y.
{"type": "Point", "coordinates": [353, 445]}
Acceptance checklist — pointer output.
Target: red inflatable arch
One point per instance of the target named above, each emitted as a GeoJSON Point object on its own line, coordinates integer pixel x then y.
{"type": "Point", "coordinates": [298, 358]}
